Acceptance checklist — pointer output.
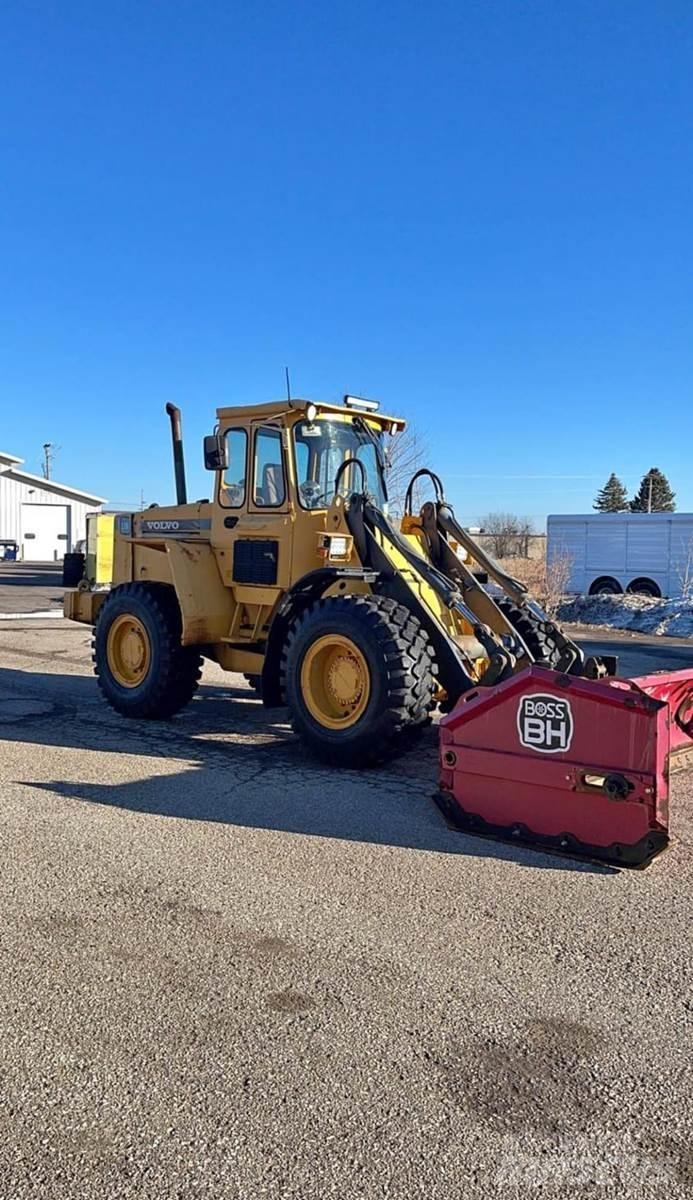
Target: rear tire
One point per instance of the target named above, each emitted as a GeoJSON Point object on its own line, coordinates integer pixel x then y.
{"type": "Point", "coordinates": [541, 645]}
{"type": "Point", "coordinates": [141, 667]}
{"type": "Point", "coordinates": [255, 684]}
{"type": "Point", "coordinates": [73, 570]}
{"type": "Point", "coordinates": [358, 672]}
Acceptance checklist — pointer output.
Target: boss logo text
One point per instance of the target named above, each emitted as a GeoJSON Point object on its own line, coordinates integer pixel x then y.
{"type": "Point", "coordinates": [545, 723]}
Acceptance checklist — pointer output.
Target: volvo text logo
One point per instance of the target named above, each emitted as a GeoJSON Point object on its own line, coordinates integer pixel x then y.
{"type": "Point", "coordinates": [161, 526]}
{"type": "Point", "coordinates": [545, 723]}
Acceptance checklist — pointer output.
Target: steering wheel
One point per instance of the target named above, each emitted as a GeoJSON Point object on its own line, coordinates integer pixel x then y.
{"type": "Point", "coordinates": [235, 494]}
{"type": "Point", "coordinates": [311, 493]}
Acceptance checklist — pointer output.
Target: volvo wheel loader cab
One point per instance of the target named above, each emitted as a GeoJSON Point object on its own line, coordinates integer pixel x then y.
{"type": "Point", "coordinates": [293, 574]}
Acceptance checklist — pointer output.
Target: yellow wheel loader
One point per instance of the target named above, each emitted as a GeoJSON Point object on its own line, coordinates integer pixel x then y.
{"type": "Point", "coordinates": [293, 574]}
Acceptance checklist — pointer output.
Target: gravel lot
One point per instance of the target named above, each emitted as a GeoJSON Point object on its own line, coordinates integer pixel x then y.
{"type": "Point", "coordinates": [228, 972]}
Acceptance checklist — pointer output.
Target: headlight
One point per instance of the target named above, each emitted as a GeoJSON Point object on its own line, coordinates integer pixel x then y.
{"type": "Point", "coordinates": [336, 547]}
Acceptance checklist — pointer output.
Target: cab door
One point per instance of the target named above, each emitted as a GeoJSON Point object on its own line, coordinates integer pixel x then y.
{"type": "Point", "coordinates": [253, 524]}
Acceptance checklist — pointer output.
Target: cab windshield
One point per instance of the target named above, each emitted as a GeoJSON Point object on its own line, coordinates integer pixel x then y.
{"type": "Point", "coordinates": [321, 448]}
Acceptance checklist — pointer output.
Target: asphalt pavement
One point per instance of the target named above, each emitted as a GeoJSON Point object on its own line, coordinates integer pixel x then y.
{"type": "Point", "coordinates": [30, 587]}
{"type": "Point", "coordinates": [638, 654]}
{"type": "Point", "coordinates": [229, 972]}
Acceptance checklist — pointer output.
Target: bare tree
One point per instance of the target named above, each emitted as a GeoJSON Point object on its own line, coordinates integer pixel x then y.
{"type": "Point", "coordinates": [547, 582]}
{"type": "Point", "coordinates": [509, 534]}
{"type": "Point", "coordinates": [406, 453]}
{"type": "Point", "coordinates": [685, 571]}
{"type": "Point", "coordinates": [525, 530]}
{"type": "Point", "coordinates": [556, 579]}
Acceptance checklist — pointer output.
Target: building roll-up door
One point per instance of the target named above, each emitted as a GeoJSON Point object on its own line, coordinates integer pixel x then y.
{"type": "Point", "coordinates": [45, 532]}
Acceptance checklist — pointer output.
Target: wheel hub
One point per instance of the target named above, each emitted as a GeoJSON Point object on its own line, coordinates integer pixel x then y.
{"type": "Point", "coordinates": [335, 681]}
{"type": "Point", "coordinates": [128, 650]}
{"type": "Point", "coordinates": [344, 679]}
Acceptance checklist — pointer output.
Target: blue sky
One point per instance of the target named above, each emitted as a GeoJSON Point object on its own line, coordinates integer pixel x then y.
{"type": "Point", "coordinates": [479, 213]}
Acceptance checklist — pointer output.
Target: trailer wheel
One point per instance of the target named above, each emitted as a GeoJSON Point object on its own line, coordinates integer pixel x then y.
{"type": "Point", "coordinates": [141, 667]}
{"type": "Point", "coordinates": [605, 586]}
{"type": "Point", "coordinates": [645, 587]}
{"type": "Point", "coordinates": [357, 672]}
{"type": "Point", "coordinates": [541, 645]}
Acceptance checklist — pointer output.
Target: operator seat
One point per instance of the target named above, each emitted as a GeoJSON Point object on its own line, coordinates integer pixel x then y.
{"type": "Point", "coordinates": [272, 491]}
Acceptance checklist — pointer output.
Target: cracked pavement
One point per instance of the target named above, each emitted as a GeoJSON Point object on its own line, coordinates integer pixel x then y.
{"type": "Point", "coordinates": [228, 971]}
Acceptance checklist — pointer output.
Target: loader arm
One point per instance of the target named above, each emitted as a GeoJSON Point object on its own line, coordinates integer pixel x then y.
{"type": "Point", "coordinates": [572, 658]}
{"type": "Point", "coordinates": [468, 651]}
{"type": "Point", "coordinates": [435, 524]}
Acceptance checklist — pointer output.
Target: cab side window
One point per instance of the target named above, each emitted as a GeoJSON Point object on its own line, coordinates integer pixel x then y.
{"type": "Point", "coordinates": [232, 494]}
{"type": "Point", "coordinates": [269, 485]}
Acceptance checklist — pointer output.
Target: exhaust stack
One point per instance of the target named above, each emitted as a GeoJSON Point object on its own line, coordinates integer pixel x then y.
{"type": "Point", "coordinates": [178, 460]}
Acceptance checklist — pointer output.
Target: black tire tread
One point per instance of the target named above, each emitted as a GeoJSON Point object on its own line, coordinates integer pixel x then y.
{"type": "Point", "coordinates": [410, 673]}
{"type": "Point", "coordinates": [179, 667]}
{"type": "Point", "coordinates": [539, 641]}
{"type": "Point", "coordinates": [73, 569]}
{"type": "Point", "coordinates": [254, 682]}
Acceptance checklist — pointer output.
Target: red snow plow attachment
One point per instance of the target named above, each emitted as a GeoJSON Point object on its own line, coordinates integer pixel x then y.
{"type": "Point", "coordinates": [569, 764]}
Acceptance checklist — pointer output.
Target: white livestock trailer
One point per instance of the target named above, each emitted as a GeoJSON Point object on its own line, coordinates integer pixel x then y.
{"type": "Point", "coordinates": [650, 554]}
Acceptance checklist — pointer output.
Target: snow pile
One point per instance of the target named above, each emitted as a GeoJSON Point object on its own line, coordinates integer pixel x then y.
{"type": "Point", "coordinates": [640, 614]}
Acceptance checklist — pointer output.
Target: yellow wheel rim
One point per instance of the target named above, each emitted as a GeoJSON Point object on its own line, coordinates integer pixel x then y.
{"type": "Point", "coordinates": [335, 681]}
{"type": "Point", "coordinates": [128, 650]}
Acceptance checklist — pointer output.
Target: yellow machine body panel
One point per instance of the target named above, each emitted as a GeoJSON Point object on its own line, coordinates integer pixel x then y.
{"type": "Point", "coordinates": [99, 552]}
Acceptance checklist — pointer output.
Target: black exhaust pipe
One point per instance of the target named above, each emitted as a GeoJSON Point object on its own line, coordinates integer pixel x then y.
{"type": "Point", "coordinates": [178, 460]}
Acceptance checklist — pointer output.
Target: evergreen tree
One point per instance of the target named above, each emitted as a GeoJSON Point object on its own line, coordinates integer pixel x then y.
{"type": "Point", "coordinates": [613, 497]}
{"type": "Point", "coordinates": [654, 493]}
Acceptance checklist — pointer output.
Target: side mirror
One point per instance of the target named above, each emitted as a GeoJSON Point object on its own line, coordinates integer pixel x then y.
{"type": "Point", "coordinates": [216, 452]}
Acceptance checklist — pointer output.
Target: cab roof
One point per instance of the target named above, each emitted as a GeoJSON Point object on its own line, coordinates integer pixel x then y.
{"type": "Point", "coordinates": [283, 408]}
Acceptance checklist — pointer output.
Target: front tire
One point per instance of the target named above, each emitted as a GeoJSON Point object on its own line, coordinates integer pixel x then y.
{"type": "Point", "coordinates": [536, 637]}
{"type": "Point", "coordinates": [357, 671]}
{"type": "Point", "coordinates": [141, 667]}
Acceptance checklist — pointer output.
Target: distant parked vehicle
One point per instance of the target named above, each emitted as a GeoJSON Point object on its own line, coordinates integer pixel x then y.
{"type": "Point", "coordinates": [648, 554]}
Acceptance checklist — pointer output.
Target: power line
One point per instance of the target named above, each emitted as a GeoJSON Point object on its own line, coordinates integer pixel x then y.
{"type": "Point", "coordinates": [501, 475]}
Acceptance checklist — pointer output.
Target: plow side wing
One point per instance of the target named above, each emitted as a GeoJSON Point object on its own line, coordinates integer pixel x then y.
{"type": "Point", "coordinates": [675, 689]}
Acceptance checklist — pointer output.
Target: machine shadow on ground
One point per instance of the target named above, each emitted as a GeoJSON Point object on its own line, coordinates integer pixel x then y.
{"type": "Point", "coordinates": [243, 767]}
{"type": "Point", "coordinates": [26, 575]}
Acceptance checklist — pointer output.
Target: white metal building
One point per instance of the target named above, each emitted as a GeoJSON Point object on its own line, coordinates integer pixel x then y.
{"type": "Point", "coordinates": [44, 517]}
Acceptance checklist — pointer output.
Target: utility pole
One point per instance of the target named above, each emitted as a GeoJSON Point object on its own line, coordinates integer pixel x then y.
{"type": "Point", "coordinates": [48, 455]}
{"type": "Point", "coordinates": [649, 495]}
